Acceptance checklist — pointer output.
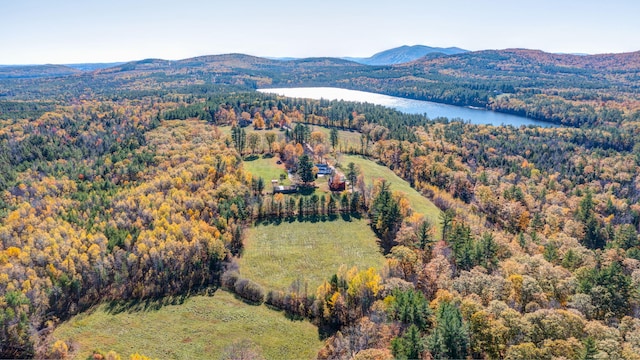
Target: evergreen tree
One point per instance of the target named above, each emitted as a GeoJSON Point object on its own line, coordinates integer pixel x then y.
{"type": "Point", "coordinates": [301, 134]}
{"type": "Point", "coordinates": [450, 338]}
{"type": "Point", "coordinates": [446, 218]}
{"type": "Point", "coordinates": [385, 216]}
{"type": "Point", "coordinates": [408, 346]}
{"type": "Point", "coordinates": [305, 169]}
{"type": "Point", "coordinates": [331, 205]}
{"type": "Point", "coordinates": [239, 138]}
{"type": "Point", "coordinates": [352, 174]}
{"type": "Point", "coordinates": [334, 138]}
{"type": "Point", "coordinates": [355, 202]}
{"type": "Point", "coordinates": [487, 251]}
{"type": "Point", "coordinates": [592, 237]}
{"type": "Point", "coordinates": [410, 307]}
{"type": "Point", "coordinates": [536, 222]}
{"type": "Point", "coordinates": [590, 348]}
{"type": "Point", "coordinates": [461, 243]}
{"type": "Point", "coordinates": [609, 288]}
{"type": "Point", "coordinates": [425, 240]}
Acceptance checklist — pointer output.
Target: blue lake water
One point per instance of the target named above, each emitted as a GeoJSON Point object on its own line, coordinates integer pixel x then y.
{"type": "Point", "coordinates": [432, 109]}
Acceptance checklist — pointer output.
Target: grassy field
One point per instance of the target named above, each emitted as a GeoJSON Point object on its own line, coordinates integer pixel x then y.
{"type": "Point", "coordinates": [346, 139]}
{"type": "Point", "coordinates": [277, 255]}
{"type": "Point", "coordinates": [372, 171]}
{"type": "Point", "coordinates": [200, 328]}
{"type": "Point", "coordinates": [268, 169]}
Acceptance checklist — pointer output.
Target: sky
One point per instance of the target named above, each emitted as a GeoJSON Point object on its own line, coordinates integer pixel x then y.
{"type": "Point", "coordinates": [81, 31]}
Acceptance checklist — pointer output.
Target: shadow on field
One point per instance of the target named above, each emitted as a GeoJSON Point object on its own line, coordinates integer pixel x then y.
{"type": "Point", "coordinates": [152, 303]}
{"type": "Point", "coordinates": [307, 219]}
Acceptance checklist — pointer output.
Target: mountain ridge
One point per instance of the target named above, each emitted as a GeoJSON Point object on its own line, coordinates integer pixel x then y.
{"type": "Point", "coordinates": [404, 54]}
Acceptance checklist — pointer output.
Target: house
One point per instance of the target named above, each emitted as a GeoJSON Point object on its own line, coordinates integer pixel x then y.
{"type": "Point", "coordinates": [337, 182]}
{"type": "Point", "coordinates": [323, 169]}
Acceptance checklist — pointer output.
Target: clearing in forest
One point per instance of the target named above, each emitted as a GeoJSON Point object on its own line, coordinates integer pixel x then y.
{"type": "Point", "coordinates": [276, 255]}
{"type": "Point", "coordinates": [202, 327]}
{"type": "Point", "coordinates": [268, 169]}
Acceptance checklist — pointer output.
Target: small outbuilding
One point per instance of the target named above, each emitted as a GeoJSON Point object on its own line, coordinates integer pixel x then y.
{"type": "Point", "coordinates": [281, 189]}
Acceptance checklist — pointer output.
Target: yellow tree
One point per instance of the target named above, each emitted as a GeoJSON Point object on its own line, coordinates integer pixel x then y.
{"type": "Point", "coordinates": [258, 121]}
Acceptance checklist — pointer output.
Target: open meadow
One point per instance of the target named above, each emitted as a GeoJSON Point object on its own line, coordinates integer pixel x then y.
{"type": "Point", "coordinates": [277, 255]}
{"type": "Point", "coordinates": [202, 327]}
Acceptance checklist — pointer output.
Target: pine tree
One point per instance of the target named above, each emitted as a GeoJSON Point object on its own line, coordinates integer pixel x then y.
{"type": "Point", "coordinates": [408, 346]}
{"type": "Point", "coordinates": [450, 338]}
{"type": "Point", "coordinates": [592, 237]}
{"type": "Point", "coordinates": [385, 216]}
{"type": "Point", "coordinates": [352, 174]}
{"type": "Point", "coordinates": [446, 218]}
{"type": "Point", "coordinates": [334, 138]}
{"type": "Point", "coordinates": [487, 251]}
{"type": "Point", "coordinates": [590, 349]}
{"type": "Point", "coordinates": [239, 138]}
{"type": "Point", "coordinates": [305, 169]}
{"type": "Point", "coordinates": [425, 240]}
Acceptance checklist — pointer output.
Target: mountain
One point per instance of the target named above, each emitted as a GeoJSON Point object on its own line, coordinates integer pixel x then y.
{"type": "Point", "coordinates": [93, 66]}
{"type": "Point", "coordinates": [404, 54]}
{"type": "Point", "coordinates": [230, 64]}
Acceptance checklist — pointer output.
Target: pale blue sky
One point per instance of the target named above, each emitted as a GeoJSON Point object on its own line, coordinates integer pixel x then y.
{"type": "Point", "coordinates": [74, 31]}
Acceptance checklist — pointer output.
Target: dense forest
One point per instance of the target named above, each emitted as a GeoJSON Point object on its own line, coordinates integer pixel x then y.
{"type": "Point", "coordinates": [535, 255]}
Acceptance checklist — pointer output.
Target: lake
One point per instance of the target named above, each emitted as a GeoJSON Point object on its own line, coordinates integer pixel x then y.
{"type": "Point", "coordinates": [432, 109]}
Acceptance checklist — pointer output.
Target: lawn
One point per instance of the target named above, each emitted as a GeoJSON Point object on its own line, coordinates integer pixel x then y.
{"type": "Point", "coordinates": [372, 171]}
{"type": "Point", "coordinates": [277, 255]}
{"type": "Point", "coordinates": [200, 328]}
{"type": "Point", "coordinates": [268, 169]}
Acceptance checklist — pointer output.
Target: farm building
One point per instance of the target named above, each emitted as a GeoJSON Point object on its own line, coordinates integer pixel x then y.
{"type": "Point", "coordinates": [280, 189]}
{"type": "Point", "coordinates": [337, 182]}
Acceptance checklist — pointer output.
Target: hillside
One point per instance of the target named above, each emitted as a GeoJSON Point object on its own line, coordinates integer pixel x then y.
{"type": "Point", "coordinates": [518, 63]}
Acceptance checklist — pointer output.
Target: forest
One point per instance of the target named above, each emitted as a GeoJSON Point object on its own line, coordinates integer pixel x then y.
{"type": "Point", "coordinates": [131, 184]}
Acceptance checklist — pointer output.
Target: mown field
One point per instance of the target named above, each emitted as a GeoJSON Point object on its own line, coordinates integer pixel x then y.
{"type": "Point", "coordinates": [202, 327]}
{"type": "Point", "coordinates": [373, 171]}
{"type": "Point", "coordinates": [277, 255]}
{"type": "Point", "coordinates": [268, 169]}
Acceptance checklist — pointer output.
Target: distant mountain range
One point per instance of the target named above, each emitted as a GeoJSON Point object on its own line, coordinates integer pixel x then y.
{"type": "Point", "coordinates": [404, 54]}
{"type": "Point", "coordinates": [50, 70]}
{"type": "Point", "coordinates": [399, 55]}
{"type": "Point", "coordinates": [519, 81]}
{"type": "Point", "coordinates": [93, 66]}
